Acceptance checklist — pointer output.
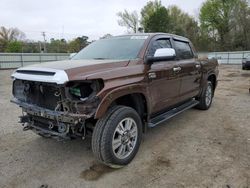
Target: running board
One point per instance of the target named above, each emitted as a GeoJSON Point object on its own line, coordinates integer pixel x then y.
{"type": "Point", "coordinates": [171, 113]}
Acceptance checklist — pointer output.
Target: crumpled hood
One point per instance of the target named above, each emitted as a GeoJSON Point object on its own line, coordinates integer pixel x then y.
{"type": "Point", "coordinates": [62, 71]}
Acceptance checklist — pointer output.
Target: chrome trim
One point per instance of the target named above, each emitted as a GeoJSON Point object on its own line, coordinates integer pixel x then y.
{"type": "Point", "coordinates": [198, 66]}
{"type": "Point", "coordinates": [125, 138]}
{"type": "Point", "coordinates": [177, 69]}
{"type": "Point", "coordinates": [152, 75]}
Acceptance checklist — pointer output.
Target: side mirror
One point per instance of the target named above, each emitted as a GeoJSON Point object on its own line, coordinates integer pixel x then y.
{"type": "Point", "coordinates": [162, 54]}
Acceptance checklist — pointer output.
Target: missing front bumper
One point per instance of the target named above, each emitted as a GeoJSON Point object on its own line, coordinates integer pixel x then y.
{"type": "Point", "coordinates": [50, 114]}
{"type": "Point", "coordinates": [50, 123]}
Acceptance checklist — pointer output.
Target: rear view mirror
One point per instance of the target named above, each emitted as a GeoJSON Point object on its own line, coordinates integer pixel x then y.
{"type": "Point", "coordinates": [165, 52]}
{"type": "Point", "coordinates": [162, 54]}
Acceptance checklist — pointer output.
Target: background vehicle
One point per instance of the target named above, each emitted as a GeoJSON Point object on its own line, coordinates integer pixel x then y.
{"type": "Point", "coordinates": [114, 89]}
{"type": "Point", "coordinates": [246, 63]}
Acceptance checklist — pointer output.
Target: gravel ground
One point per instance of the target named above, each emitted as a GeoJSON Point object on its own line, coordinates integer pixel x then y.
{"type": "Point", "coordinates": [195, 149]}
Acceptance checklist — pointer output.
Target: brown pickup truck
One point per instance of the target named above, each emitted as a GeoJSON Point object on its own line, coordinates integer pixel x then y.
{"type": "Point", "coordinates": [113, 90]}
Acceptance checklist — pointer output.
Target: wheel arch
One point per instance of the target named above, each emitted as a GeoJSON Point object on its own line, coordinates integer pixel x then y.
{"type": "Point", "coordinates": [132, 96]}
{"type": "Point", "coordinates": [212, 78]}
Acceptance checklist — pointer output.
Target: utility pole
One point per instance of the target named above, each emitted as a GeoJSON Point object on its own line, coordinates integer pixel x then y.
{"type": "Point", "coordinates": [40, 47]}
{"type": "Point", "coordinates": [44, 43]}
{"type": "Point", "coordinates": [62, 37]}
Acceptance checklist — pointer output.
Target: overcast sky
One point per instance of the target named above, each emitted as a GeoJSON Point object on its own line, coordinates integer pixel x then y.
{"type": "Point", "coordinates": [72, 18]}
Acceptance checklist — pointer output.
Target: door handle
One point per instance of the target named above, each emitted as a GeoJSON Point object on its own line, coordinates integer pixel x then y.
{"type": "Point", "coordinates": [152, 75]}
{"type": "Point", "coordinates": [198, 66]}
{"type": "Point", "coordinates": [176, 69]}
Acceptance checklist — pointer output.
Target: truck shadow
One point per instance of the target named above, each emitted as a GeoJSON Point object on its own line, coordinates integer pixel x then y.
{"type": "Point", "coordinates": [64, 152]}
{"type": "Point", "coordinates": [85, 165]}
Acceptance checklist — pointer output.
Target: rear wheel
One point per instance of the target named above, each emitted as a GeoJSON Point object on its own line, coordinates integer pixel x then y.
{"type": "Point", "coordinates": [206, 97]}
{"type": "Point", "coordinates": [117, 136]}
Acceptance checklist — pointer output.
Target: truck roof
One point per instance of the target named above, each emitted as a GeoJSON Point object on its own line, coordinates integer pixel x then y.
{"type": "Point", "coordinates": [154, 34]}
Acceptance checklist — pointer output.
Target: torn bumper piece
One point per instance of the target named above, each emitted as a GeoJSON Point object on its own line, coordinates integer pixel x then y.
{"type": "Point", "coordinates": [48, 133]}
{"type": "Point", "coordinates": [49, 123]}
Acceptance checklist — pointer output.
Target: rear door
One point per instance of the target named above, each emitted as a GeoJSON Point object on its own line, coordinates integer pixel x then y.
{"type": "Point", "coordinates": [190, 72]}
{"type": "Point", "coordinates": [164, 83]}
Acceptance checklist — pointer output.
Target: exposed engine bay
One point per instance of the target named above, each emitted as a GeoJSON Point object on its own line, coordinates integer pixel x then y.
{"type": "Point", "coordinates": [61, 111]}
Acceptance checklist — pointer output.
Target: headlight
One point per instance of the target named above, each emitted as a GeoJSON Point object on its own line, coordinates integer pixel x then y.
{"type": "Point", "coordinates": [75, 91]}
{"type": "Point", "coordinates": [83, 90]}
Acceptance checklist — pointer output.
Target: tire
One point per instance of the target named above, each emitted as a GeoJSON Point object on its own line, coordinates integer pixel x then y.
{"type": "Point", "coordinates": [117, 136]}
{"type": "Point", "coordinates": [243, 68]}
{"type": "Point", "coordinates": [206, 98]}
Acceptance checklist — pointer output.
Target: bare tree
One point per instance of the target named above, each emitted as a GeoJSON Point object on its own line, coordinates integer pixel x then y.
{"type": "Point", "coordinates": [9, 35]}
{"type": "Point", "coordinates": [129, 20]}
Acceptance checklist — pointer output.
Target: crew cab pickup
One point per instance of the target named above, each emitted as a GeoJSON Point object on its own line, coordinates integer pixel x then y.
{"type": "Point", "coordinates": [114, 90]}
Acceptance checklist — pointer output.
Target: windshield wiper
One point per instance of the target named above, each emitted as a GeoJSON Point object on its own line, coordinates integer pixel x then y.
{"type": "Point", "coordinates": [99, 58]}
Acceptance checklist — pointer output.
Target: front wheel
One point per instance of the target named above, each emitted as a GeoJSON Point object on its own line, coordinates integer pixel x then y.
{"type": "Point", "coordinates": [206, 98]}
{"type": "Point", "coordinates": [117, 136]}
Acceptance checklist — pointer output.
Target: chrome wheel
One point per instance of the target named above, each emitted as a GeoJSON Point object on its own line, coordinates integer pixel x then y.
{"type": "Point", "coordinates": [209, 95]}
{"type": "Point", "coordinates": [125, 138]}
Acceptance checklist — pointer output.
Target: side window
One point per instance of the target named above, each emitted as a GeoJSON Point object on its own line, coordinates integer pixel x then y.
{"type": "Point", "coordinates": [183, 50]}
{"type": "Point", "coordinates": [157, 44]}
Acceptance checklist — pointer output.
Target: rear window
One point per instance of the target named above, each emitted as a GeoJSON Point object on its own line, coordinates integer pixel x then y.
{"type": "Point", "coordinates": [183, 50]}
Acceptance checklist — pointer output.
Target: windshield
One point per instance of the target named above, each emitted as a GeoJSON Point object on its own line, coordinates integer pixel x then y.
{"type": "Point", "coordinates": [119, 48]}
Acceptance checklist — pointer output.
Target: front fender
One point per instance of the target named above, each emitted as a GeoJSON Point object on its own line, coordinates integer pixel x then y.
{"type": "Point", "coordinates": [119, 92]}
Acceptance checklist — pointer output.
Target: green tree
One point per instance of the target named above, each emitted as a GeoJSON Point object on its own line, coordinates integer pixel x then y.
{"type": "Point", "coordinates": [14, 47]}
{"type": "Point", "coordinates": [129, 20]}
{"type": "Point", "coordinates": [158, 21]}
{"type": "Point", "coordinates": [215, 18]}
{"type": "Point", "coordinates": [240, 22]}
{"type": "Point", "coordinates": [57, 46]}
{"type": "Point", "coordinates": [149, 9]}
{"type": "Point", "coordinates": [106, 36]}
{"type": "Point", "coordinates": [30, 47]}
{"type": "Point", "coordinates": [77, 44]}
{"type": "Point", "coordinates": [183, 24]}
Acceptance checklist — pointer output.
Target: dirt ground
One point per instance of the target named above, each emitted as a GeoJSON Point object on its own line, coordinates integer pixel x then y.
{"type": "Point", "coordinates": [195, 149]}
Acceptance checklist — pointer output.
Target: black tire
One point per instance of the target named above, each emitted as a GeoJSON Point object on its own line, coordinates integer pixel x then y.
{"type": "Point", "coordinates": [98, 130]}
{"type": "Point", "coordinates": [105, 130]}
{"type": "Point", "coordinates": [203, 105]}
{"type": "Point", "coordinates": [243, 68]}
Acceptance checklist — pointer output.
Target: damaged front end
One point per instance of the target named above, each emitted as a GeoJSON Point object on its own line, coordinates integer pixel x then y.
{"type": "Point", "coordinates": [61, 111]}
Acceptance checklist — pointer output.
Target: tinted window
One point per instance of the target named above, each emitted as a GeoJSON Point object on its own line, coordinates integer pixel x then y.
{"type": "Point", "coordinates": [125, 47]}
{"type": "Point", "coordinates": [157, 44]}
{"type": "Point", "coordinates": [183, 50]}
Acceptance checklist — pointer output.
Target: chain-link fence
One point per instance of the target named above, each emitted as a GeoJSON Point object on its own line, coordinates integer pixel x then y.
{"type": "Point", "coordinates": [227, 57]}
{"type": "Point", "coordinates": [15, 60]}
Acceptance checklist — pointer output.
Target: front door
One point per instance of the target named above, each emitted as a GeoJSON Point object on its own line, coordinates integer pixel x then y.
{"type": "Point", "coordinates": [164, 82]}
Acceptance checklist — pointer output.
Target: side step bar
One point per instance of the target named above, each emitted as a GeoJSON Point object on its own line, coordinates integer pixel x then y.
{"type": "Point", "coordinates": [171, 113]}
